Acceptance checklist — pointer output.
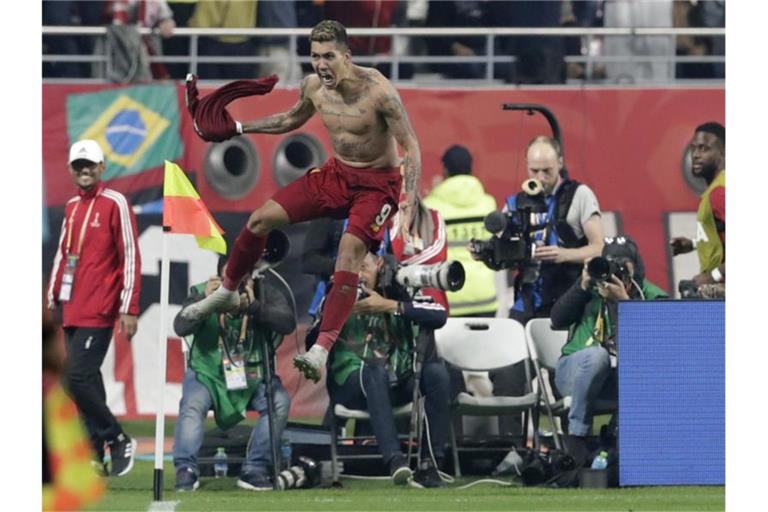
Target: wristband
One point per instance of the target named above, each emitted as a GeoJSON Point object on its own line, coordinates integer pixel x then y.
{"type": "Point", "coordinates": [399, 309]}
{"type": "Point", "coordinates": [239, 127]}
{"type": "Point", "coordinates": [716, 275]}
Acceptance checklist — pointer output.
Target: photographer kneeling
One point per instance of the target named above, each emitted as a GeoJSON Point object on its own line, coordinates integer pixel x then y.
{"type": "Point", "coordinates": [225, 373]}
{"type": "Point", "coordinates": [589, 310]}
{"type": "Point", "coordinates": [372, 368]}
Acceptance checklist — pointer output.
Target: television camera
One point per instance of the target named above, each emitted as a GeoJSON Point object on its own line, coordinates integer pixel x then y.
{"type": "Point", "coordinates": [512, 243]}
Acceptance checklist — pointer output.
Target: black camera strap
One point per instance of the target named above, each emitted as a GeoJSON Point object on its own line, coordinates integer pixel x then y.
{"type": "Point", "coordinates": [563, 230]}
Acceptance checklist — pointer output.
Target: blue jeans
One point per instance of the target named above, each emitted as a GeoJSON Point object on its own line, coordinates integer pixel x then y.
{"type": "Point", "coordinates": [379, 398]}
{"type": "Point", "coordinates": [582, 375]}
{"type": "Point", "coordinates": [194, 406]}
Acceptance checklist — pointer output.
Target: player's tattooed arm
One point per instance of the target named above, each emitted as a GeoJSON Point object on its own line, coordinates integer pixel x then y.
{"type": "Point", "coordinates": [391, 108]}
{"type": "Point", "coordinates": [299, 114]}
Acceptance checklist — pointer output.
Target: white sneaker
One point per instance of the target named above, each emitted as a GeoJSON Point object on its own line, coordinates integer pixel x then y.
{"type": "Point", "coordinates": [220, 301]}
{"type": "Point", "coordinates": [310, 363]}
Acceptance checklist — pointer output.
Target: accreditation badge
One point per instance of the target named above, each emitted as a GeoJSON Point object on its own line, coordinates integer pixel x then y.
{"type": "Point", "coordinates": [234, 372]}
{"type": "Point", "coordinates": [68, 279]}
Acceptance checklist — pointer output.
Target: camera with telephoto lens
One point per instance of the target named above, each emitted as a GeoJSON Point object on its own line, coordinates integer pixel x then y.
{"type": "Point", "coordinates": [601, 269]}
{"type": "Point", "coordinates": [304, 475]}
{"type": "Point", "coordinates": [511, 245]}
{"type": "Point", "coordinates": [396, 280]}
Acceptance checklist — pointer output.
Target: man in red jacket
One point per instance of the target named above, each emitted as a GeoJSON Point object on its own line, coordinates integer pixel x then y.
{"type": "Point", "coordinates": [96, 279]}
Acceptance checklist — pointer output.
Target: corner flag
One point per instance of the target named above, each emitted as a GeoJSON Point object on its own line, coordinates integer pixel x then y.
{"type": "Point", "coordinates": [185, 212]}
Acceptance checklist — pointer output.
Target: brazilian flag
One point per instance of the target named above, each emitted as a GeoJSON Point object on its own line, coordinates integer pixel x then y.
{"type": "Point", "coordinates": [137, 127]}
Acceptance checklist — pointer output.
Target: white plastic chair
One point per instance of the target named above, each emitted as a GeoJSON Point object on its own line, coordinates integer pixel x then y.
{"type": "Point", "coordinates": [484, 344]}
{"type": "Point", "coordinates": [339, 411]}
{"type": "Point", "coordinates": [545, 345]}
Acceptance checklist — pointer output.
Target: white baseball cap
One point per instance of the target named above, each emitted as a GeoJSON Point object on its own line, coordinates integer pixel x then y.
{"type": "Point", "coordinates": [86, 150]}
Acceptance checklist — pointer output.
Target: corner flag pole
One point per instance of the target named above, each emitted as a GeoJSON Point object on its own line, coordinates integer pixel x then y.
{"type": "Point", "coordinates": [162, 347]}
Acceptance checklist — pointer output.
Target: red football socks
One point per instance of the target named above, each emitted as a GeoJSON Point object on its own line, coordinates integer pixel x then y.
{"type": "Point", "coordinates": [337, 307]}
{"type": "Point", "coordinates": [246, 251]}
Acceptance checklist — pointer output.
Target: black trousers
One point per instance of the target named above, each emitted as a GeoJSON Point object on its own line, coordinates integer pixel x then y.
{"type": "Point", "coordinates": [86, 348]}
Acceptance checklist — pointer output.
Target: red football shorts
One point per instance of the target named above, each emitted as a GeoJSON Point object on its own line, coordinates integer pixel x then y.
{"type": "Point", "coordinates": [368, 197]}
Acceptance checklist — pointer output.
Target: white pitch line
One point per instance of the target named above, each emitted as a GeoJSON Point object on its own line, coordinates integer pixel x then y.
{"type": "Point", "coordinates": [157, 506]}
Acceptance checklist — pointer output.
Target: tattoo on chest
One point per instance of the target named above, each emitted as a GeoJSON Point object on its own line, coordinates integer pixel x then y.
{"type": "Point", "coordinates": [353, 113]}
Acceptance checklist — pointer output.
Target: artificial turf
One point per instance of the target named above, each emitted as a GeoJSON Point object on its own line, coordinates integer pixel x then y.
{"type": "Point", "coordinates": [134, 492]}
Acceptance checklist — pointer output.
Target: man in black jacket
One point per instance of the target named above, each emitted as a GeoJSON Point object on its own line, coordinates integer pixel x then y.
{"type": "Point", "coordinates": [589, 310]}
{"type": "Point", "coordinates": [226, 373]}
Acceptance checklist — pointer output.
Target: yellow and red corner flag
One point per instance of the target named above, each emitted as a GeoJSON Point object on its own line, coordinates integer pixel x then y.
{"type": "Point", "coordinates": [185, 212]}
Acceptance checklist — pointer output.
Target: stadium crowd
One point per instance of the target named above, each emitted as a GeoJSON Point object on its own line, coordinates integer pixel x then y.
{"type": "Point", "coordinates": [532, 59]}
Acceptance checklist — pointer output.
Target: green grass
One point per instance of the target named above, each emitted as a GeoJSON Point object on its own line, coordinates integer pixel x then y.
{"type": "Point", "coordinates": [134, 492]}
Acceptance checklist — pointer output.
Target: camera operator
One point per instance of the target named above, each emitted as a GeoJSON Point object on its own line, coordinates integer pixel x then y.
{"type": "Point", "coordinates": [573, 233]}
{"type": "Point", "coordinates": [708, 162]}
{"type": "Point", "coordinates": [225, 373]}
{"type": "Point", "coordinates": [589, 310]}
{"type": "Point", "coordinates": [372, 368]}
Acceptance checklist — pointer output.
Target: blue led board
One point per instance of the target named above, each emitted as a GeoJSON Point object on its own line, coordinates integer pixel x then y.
{"type": "Point", "coordinates": [672, 392]}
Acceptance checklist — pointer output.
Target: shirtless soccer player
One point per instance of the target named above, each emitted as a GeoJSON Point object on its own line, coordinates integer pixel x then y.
{"type": "Point", "coordinates": [366, 121]}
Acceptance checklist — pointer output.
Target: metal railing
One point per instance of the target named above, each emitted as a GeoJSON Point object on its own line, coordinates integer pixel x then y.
{"type": "Point", "coordinates": [399, 38]}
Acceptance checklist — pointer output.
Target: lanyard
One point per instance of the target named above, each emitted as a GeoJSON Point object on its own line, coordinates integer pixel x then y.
{"type": "Point", "coordinates": [82, 228]}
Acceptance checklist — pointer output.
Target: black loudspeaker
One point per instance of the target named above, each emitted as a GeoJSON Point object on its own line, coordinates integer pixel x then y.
{"type": "Point", "coordinates": [232, 168]}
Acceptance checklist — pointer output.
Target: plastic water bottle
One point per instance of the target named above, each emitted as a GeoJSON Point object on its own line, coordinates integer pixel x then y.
{"type": "Point", "coordinates": [600, 461]}
{"type": "Point", "coordinates": [220, 466]}
{"type": "Point", "coordinates": [285, 452]}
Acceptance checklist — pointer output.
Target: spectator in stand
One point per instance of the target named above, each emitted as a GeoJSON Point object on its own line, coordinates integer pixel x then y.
{"type": "Point", "coordinates": [179, 45]}
{"type": "Point", "coordinates": [277, 14]}
{"type": "Point", "coordinates": [539, 58]}
{"type": "Point", "coordinates": [218, 14]}
{"type": "Point", "coordinates": [708, 159]}
{"type": "Point", "coordinates": [688, 13]}
{"type": "Point", "coordinates": [308, 14]}
{"type": "Point", "coordinates": [630, 68]}
{"type": "Point", "coordinates": [70, 13]}
{"type": "Point", "coordinates": [155, 14]}
{"type": "Point", "coordinates": [712, 14]}
{"type": "Point", "coordinates": [586, 14]}
{"type": "Point", "coordinates": [456, 14]}
{"type": "Point", "coordinates": [366, 14]}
